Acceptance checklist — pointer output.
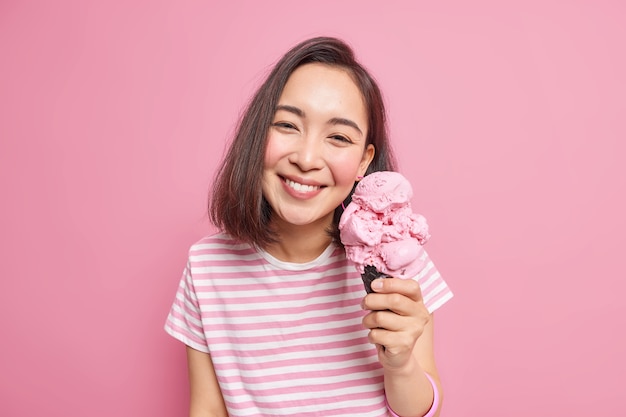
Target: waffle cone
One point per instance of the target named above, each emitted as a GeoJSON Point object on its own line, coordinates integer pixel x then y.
{"type": "Point", "coordinates": [370, 274]}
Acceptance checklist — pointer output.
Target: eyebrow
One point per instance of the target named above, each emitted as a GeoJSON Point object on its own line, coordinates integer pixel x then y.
{"type": "Point", "coordinates": [334, 121]}
{"type": "Point", "coordinates": [346, 122]}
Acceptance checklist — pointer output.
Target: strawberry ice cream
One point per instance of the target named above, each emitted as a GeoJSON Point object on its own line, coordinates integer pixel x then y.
{"type": "Point", "coordinates": [381, 234]}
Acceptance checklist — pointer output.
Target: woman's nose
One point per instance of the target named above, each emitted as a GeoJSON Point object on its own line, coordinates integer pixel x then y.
{"type": "Point", "coordinates": [308, 154]}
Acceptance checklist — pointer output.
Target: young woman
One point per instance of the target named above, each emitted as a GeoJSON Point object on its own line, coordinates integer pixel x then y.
{"type": "Point", "coordinates": [275, 319]}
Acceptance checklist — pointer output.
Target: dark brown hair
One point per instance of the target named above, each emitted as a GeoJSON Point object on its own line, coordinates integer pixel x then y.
{"type": "Point", "coordinates": [237, 205]}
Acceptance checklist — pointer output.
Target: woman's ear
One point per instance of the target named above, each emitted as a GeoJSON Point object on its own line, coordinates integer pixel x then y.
{"type": "Point", "coordinates": [368, 157]}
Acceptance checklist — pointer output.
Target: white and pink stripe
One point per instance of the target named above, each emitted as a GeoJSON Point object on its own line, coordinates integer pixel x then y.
{"type": "Point", "coordinates": [285, 339]}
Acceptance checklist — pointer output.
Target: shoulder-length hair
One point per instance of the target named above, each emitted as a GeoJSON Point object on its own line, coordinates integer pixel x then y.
{"type": "Point", "coordinates": [237, 205]}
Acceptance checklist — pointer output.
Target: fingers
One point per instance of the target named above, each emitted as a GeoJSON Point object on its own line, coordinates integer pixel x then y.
{"type": "Point", "coordinates": [395, 302]}
{"type": "Point", "coordinates": [407, 287]}
{"type": "Point", "coordinates": [398, 295]}
{"type": "Point", "coordinates": [393, 343]}
{"type": "Point", "coordinates": [397, 334]}
{"type": "Point", "coordinates": [397, 318]}
{"type": "Point", "coordinates": [386, 319]}
{"type": "Point", "coordinates": [390, 321]}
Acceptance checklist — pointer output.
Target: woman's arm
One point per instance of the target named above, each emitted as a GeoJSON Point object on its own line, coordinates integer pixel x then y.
{"type": "Point", "coordinates": [403, 332]}
{"type": "Point", "coordinates": [408, 389]}
{"type": "Point", "coordinates": [205, 396]}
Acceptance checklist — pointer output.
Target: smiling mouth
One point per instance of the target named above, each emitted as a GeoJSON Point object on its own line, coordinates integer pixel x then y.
{"type": "Point", "coordinates": [301, 188]}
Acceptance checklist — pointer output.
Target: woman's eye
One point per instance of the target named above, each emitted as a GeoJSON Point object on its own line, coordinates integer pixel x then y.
{"type": "Point", "coordinates": [341, 138]}
{"type": "Point", "coordinates": [284, 125]}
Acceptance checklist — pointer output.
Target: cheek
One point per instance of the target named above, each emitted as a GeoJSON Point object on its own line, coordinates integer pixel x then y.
{"type": "Point", "coordinates": [272, 151]}
{"type": "Point", "coordinates": [345, 170]}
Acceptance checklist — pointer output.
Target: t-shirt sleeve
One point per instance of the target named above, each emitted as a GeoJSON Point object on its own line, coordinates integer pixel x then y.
{"type": "Point", "coordinates": [435, 291]}
{"type": "Point", "coordinates": [184, 321]}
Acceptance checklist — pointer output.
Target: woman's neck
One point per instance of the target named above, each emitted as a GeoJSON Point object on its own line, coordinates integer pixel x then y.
{"type": "Point", "coordinates": [299, 244]}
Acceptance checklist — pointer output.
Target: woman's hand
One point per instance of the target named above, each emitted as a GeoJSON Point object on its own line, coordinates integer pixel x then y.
{"type": "Point", "coordinates": [397, 320]}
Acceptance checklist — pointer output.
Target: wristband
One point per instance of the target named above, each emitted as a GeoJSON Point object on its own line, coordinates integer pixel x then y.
{"type": "Point", "coordinates": [433, 408]}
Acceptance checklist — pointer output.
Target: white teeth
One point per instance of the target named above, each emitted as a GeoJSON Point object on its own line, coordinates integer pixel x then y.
{"type": "Point", "coordinates": [300, 187]}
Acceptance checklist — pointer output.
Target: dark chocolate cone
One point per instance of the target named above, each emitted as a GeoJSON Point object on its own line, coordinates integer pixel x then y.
{"type": "Point", "coordinates": [370, 274]}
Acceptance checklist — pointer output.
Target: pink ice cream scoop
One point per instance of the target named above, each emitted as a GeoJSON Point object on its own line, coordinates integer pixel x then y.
{"type": "Point", "coordinates": [381, 234]}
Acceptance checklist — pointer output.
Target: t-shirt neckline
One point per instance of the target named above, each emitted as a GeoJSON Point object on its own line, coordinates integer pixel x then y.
{"type": "Point", "coordinates": [297, 266]}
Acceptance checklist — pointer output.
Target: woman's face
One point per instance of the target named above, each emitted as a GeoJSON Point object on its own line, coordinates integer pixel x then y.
{"type": "Point", "coordinates": [316, 145]}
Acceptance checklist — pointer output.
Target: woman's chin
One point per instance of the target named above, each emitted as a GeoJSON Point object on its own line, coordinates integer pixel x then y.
{"type": "Point", "coordinates": [300, 219]}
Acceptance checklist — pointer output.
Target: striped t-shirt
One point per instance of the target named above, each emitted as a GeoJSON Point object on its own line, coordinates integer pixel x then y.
{"type": "Point", "coordinates": [285, 339]}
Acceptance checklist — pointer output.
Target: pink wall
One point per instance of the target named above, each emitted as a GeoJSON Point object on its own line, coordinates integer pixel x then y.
{"type": "Point", "coordinates": [508, 119]}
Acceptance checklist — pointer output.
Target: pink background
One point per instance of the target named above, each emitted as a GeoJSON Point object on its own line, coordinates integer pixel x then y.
{"type": "Point", "coordinates": [508, 118]}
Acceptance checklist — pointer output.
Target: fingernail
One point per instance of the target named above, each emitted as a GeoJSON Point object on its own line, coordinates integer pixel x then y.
{"type": "Point", "coordinates": [377, 284]}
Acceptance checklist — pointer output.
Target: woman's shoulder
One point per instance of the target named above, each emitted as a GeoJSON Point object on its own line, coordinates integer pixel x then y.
{"type": "Point", "coordinates": [219, 243]}
{"type": "Point", "coordinates": [221, 253]}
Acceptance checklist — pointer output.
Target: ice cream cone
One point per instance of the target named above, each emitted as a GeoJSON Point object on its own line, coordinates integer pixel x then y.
{"type": "Point", "coordinates": [380, 231]}
{"type": "Point", "coordinates": [370, 274]}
